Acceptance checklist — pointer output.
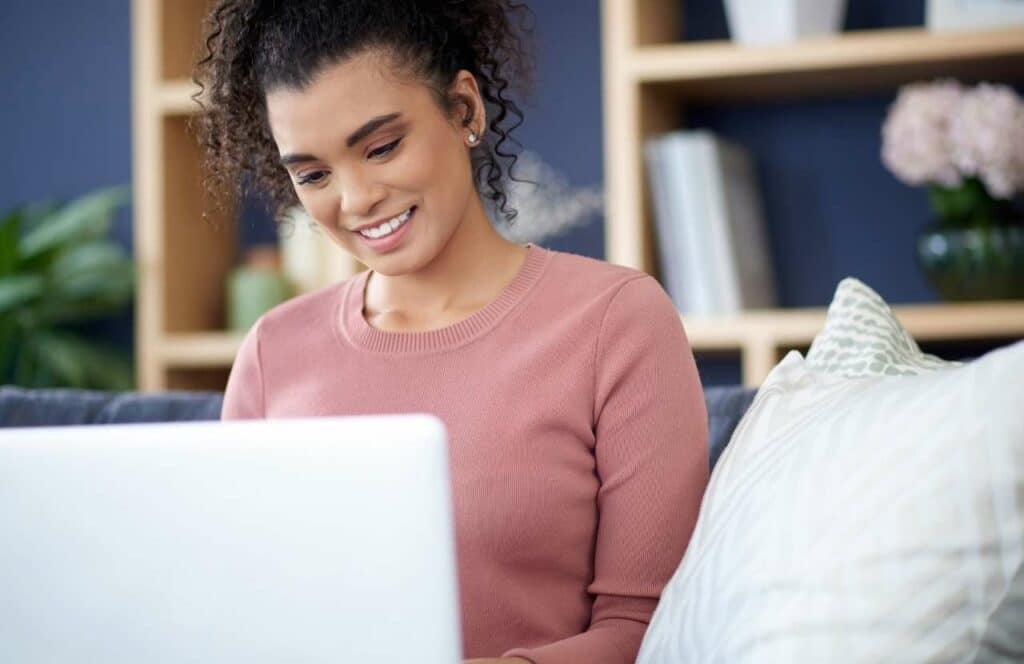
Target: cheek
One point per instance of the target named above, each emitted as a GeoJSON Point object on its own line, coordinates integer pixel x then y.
{"type": "Point", "coordinates": [320, 206]}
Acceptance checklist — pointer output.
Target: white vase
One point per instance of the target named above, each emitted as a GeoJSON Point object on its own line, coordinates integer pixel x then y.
{"type": "Point", "coordinates": [780, 21]}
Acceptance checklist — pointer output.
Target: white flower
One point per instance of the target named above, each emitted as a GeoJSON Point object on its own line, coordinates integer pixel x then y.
{"type": "Point", "coordinates": [987, 138]}
{"type": "Point", "coordinates": [915, 137]}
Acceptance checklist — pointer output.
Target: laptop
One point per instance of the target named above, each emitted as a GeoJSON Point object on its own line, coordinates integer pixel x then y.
{"type": "Point", "coordinates": [292, 540]}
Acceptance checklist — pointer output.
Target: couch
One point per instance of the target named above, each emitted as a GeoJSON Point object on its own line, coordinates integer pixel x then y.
{"type": "Point", "coordinates": [20, 407]}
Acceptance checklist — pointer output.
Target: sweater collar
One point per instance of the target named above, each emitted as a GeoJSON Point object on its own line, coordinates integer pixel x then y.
{"type": "Point", "coordinates": [356, 330]}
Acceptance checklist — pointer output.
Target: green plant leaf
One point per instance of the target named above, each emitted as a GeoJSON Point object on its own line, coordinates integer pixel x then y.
{"type": "Point", "coordinates": [71, 361]}
{"type": "Point", "coordinates": [36, 212]}
{"type": "Point", "coordinates": [107, 368]}
{"type": "Point", "coordinates": [18, 290]}
{"type": "Point", "coordinates": [10, 346]}
{"type": "Point", "coordinates": [53, 313]}
{"type": "Point", "coordinates": [52, 352]}
{"type": "Point", "coordinates": [98, 271]}
{"type": "Point", "coordinates": [86, 218]}
{"type": "Point", "coordinates": [10, 230]}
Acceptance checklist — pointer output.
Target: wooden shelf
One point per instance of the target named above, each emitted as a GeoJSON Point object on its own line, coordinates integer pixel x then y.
{"type": "Point", "coordinates": [760, 337]}
{"type": "Point", "coordinates": [848, 62]}
{"type": "Point", "coordinates": [175, 98]}
{"type": "Point", "coordinates": [763, 337]}
{"type": "Point", "coordinates": [200, 349]}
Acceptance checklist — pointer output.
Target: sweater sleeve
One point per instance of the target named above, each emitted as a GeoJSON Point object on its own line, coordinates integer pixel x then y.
{"type": "Point", "coordinates": [651, 451]}
{"type": "Point", "coordinates": [243, 397]}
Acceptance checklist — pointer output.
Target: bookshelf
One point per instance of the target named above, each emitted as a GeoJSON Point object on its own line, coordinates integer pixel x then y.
{"type": "Point", "coordinates": [649, 77]}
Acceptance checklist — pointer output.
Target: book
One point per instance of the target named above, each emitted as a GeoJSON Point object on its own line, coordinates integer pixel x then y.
{"type": "Point", "coordinates": [668, 244]}
{"type": "Point", "coordinates": [710, 224]}
{"type": "Point", "coordinates": [737, 222]}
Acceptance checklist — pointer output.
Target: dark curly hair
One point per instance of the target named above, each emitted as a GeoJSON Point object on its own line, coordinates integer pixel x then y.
{"type": "Point", "coordinates": [253, 46]}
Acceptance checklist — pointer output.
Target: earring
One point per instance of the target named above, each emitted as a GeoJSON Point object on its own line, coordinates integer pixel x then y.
{"type": "Point", "coordinates": [473, 138]}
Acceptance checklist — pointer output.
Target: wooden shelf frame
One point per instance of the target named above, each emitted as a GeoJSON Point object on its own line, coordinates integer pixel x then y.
{"type": "Point", "coordinates": [175, 98]}
{"type": "Point", "coordinates": [182, 258]}
{"type": "Point", "coordinates": [851, 62]}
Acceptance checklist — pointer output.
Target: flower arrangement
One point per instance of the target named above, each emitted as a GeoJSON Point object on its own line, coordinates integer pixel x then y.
{"type": "Point", "coordinates": [965, 144]}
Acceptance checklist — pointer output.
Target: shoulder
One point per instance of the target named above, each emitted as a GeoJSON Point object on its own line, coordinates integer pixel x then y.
{"type": "Point", "coordinates": [590, 279]}
{"type": "Point", "coordinates": [305, 313]}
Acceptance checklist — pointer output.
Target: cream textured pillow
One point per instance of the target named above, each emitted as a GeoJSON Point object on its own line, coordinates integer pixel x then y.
{"type": "Point", "coordinates": [857, 515]}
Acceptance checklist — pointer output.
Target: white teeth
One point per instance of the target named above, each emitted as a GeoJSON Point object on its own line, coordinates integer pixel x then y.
{"type": "Point", "coordinates": [387, 227]}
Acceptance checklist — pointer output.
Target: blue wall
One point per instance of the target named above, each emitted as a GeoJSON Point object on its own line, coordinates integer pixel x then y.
{"type": "Point", "coordinates": [65, 116]}
{"type": "Point", "coordinates": [832, 209]}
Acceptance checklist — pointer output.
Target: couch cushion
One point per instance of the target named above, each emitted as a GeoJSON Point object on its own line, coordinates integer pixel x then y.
{"type": "Point", "coordinates": [20, 407]}
{"type": "Point", "coordinates": [726, 405]}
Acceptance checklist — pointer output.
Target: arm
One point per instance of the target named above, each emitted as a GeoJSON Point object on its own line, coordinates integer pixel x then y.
{"type": "Point", "coordinates": [651, 451]}
{"type": "Point", "coordinates": [243, 397]}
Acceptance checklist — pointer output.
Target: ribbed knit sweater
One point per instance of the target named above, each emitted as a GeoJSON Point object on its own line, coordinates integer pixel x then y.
{"type": "Point", "coordinates": [577, 440]}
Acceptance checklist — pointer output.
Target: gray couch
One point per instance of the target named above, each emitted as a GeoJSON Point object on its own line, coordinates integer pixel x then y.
{"type": "Point", "coordinates": [27, 408]}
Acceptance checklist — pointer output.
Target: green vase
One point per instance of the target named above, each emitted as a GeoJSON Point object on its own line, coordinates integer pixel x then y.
{"type": "Point", "coordinates": [981, 263]}
{"type": "Point", "coordinates": [251, 292]}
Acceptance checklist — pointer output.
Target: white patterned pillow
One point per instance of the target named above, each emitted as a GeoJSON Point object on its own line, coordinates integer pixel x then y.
{"type": "Point", "coordinates": [877, 518]}
{"type": "Point", "coordinates": [861, 337]}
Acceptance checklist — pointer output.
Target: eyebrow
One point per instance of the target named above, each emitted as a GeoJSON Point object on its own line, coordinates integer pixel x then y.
{"type": "Point", "coordinates": [358, 135]}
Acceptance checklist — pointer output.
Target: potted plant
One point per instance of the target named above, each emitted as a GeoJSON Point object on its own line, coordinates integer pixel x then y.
{"type": "Point", "coordinates": [57, 269]}
{"type": "Point", "coordinates": [966, 145]}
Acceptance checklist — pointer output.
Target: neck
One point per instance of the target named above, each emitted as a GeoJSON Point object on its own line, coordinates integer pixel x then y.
{"type": "Point", "coordinates": [468, 272]}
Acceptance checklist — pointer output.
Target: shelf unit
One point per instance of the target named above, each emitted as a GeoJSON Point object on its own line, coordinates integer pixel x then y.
{"type": "Point", "coordinates": [649, 78]}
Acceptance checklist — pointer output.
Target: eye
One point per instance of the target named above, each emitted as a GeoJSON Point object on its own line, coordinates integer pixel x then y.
{"type": "Point", "coordinates": [386, 149]}
{"type": "Point", "coordinates": [311, 178]}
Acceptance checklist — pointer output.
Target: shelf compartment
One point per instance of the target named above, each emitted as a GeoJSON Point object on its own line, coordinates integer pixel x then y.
{"type": "Point", "coordinates": [197, 253]}
{"type": "Point", "coordinates": [212, 379]}
{"type": "Point", "coordinates": [179, 29]}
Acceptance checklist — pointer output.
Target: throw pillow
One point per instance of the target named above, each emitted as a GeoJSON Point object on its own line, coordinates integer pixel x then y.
{"type": "Point", "coordinates": [870, 507]}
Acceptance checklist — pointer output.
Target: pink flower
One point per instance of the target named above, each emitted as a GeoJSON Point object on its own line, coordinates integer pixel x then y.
{"type": "Point", "coordinates": [987, 138]}
{"type": "Point", "coordinates": [940, 132]}
{"type": "Point", "coordinates": [916, 144]}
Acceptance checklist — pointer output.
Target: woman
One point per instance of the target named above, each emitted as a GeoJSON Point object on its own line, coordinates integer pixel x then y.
{"type": "Point", "coordinates": [576, 420]}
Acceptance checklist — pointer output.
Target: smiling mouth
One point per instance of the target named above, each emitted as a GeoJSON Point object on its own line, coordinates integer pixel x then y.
{"type": "Point", "coordinates": [405, 217]}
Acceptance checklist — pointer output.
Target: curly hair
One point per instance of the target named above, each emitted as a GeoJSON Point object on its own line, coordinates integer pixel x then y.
{"type": "Point", "coordinates": [253, 46]}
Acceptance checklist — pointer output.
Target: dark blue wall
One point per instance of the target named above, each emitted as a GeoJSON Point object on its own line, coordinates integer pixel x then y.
{"type": "Point", "coordinates": [65, 114]}
{"type": "Point", "coordinates": [832, 209]}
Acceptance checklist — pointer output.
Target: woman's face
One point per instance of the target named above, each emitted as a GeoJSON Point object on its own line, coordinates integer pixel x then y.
{"type": "Point", "coordinates": [362, 147]}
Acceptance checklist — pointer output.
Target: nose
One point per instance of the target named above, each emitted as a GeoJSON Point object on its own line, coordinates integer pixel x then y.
{"type": "Point", "coordinates": [358, 194]}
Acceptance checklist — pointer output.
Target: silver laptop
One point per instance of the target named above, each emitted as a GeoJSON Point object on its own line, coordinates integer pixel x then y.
{"type": "Point", "coordinates": [302, 540]}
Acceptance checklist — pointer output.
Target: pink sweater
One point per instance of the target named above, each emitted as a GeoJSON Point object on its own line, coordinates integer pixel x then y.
{"type": "Point", "coordinates": [577, 440]}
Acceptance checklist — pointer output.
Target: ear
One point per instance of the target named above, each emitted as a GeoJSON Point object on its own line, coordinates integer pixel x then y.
{"type": "Point", "coordinates": [471, 114]}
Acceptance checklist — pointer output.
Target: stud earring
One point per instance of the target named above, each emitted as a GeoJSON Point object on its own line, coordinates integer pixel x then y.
{"type": "Point", "coordinates": [473, 138]}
